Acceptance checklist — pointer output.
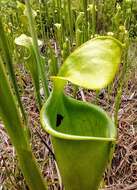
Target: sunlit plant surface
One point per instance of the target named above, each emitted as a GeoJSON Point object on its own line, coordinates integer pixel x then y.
{"type": "Point", "coordinates": [65, 43]}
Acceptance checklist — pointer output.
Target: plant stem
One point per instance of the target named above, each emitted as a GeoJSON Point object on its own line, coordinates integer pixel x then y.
{"type": "Point", "coordinates": [41, 23]}
{"type": "Point", "coordinates": [9, 64]}
{"type": "Point", "coordinates": [59, 10]}
{"type": "Point", "coordinates": [46, 15]}
{"type": "Point", "coordinates": [94, 19]}
{"type": "Point", "coordinates": [54, 63]}
{"type": "Point", "coordinates": [121, 84]}
{"type": "Point", "coordinates": [86, 20]}
{"type": "Point", "coordinates": [78, 26]}
{"type": "Point", "coordinates": [70, 21]}
{"type": "Point", "coordinates": [36, 49]}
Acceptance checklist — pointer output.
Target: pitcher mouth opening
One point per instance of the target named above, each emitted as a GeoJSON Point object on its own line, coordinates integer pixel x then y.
{"type": "Point", "coordinates": [60, 135]}
{"type": "Point", "coordinates": [57, 122]}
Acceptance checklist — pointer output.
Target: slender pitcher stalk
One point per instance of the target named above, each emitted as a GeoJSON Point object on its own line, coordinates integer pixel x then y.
{"type": "Point", "coordinates": [36, 49]}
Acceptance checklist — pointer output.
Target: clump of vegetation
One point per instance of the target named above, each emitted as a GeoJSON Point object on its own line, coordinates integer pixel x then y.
{"type": "Point", "coordinates": [82, 42]}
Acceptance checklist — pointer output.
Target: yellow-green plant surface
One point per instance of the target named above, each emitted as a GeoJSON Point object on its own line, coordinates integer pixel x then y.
{"type": "Point", "coordinates": [94, 64]}
{"type": "Point", "coordinates": [83, 135]}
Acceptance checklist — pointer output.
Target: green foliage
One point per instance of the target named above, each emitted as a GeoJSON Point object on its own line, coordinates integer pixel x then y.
{"type": "Point", "coordinates": [40, 66]}
{"type": "Point", "coordinates": [9, 64]}
{"type": "Point", "coordinates": [31, 63]}
{"type": "Point", "coordinates": [17, 131]}
{"type": "Point", "coordinates": [81, 131]}
{"type": "Point", "coordinates": [62, 26]}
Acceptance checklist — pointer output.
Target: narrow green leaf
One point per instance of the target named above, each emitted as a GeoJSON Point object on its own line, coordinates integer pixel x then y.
{"type": "Point", "coordinates": [9, 63]}
{"type": "Point", "coordinates": [42, 72]}
{"type": "Point", "coordinates": [17, 132]}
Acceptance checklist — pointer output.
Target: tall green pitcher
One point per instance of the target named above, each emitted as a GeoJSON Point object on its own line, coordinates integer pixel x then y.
{"type": "Point", "coordinates": [83, 136]}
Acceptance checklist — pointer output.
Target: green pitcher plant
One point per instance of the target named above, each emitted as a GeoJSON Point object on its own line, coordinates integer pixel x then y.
{"type": "Point", "coordinates": [83, 135]}
{"type": "Point", "coordinates": [31, 63]}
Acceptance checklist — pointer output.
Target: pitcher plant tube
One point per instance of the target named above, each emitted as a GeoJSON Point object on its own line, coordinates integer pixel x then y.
{"type": "Point", "coordinates": [31, 63]}
{"type": "Point", "coordinates": [82, 134]}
